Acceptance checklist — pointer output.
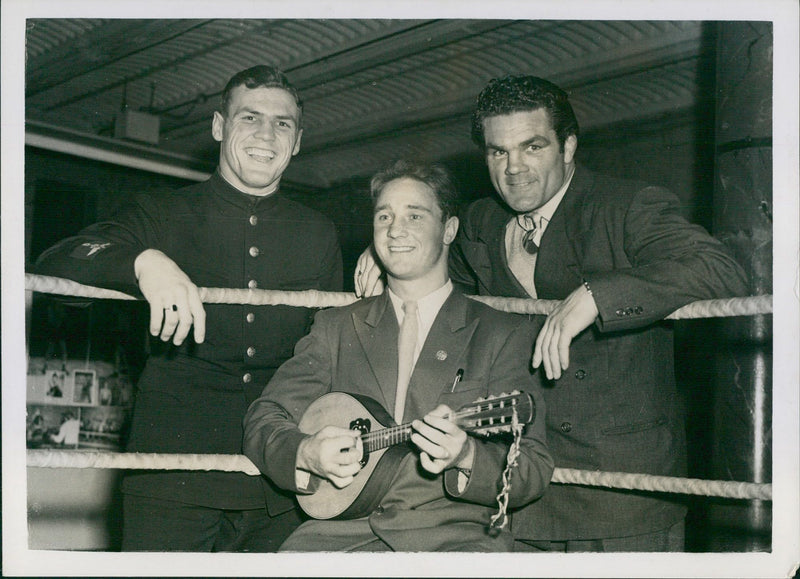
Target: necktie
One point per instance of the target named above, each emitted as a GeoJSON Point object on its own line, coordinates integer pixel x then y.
{"type": "Point", "coordinates": [406, 342]}
{"type": "Point", "coordinates": [529, 239]}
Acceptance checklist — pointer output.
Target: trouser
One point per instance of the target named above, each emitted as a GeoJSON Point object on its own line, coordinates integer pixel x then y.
{"type": "Point", "coordinates": [151, 524]}
{"type": "Point", "coordinates": [670, 539]}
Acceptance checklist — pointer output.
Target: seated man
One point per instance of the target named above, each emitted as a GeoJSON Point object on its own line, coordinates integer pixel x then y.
{"type": "Point", "coordinates": [442, 494]}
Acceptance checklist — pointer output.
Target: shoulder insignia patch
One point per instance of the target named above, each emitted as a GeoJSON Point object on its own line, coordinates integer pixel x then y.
{"type": "Point", "coordinates": [88, 250]}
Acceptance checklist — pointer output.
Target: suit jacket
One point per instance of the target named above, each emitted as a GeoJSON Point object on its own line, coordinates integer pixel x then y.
{"type": "Point", "coordinates": [354, 349]}
{"type": "Point", "coordinates": [616, 407]}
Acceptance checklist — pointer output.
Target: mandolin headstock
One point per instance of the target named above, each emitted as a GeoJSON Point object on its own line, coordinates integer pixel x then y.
{"type": "Point", "coordinates": [494, 415]}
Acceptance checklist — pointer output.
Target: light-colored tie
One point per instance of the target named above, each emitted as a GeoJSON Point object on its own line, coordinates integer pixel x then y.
{"type": "Point", "coordinates": [406, 343]}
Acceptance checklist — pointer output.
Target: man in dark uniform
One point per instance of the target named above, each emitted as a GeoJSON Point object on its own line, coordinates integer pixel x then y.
{"type": "Point", "coordinates": [620, 257]}
{"type": "Point", "coordinates": [235, 230]}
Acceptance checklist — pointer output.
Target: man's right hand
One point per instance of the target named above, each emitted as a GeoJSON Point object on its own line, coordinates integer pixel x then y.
{"type": "Point", "coordinates": [332, 453]}
{"type": "Point", "coordinates": [175, 304]}
{"type": "Point", "coordinates": [367, 278]}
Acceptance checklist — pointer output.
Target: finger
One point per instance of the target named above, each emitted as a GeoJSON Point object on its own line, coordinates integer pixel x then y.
{"type": "Point", "coordinates": [156, 318]}
{"type": "Point", "coordinates": [537, 349]}
{"type": "Point", "coordinates": [371, 280]}
{"type": "Point", "coordinates": [340, 482]}
{"type": "Point", "coordinates": [552, 354]}
{"type": "Point", "coordinates": [435, 451]}
{"type": "Point", "coordinates": [198, 313]}
{"type": "Point", "coordinates": [563, 350]}
{"type": "Point", "coordinates": [184, 324]}
{"type": "Point", "coordinates": [170, 322]}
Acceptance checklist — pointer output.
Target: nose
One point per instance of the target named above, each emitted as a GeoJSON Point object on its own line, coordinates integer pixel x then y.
{"type": "Point", "coordinates": [397, 228]}
{"type": "Point", "coordinates": [515, 164]}
{"type": "Point", "coordinates": [265, 130]}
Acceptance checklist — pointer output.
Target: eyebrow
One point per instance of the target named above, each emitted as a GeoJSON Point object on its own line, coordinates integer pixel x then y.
{"type": "Point", "coordinates": [523, 144]}
{"type": "Point", "coordinates": [416, 207]}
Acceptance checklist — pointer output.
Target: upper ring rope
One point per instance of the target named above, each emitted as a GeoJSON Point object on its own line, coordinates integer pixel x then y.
{"type": "Point", "coordinates": [320, 299]}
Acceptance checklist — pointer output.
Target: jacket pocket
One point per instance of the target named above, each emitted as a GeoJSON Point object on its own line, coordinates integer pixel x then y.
{"type": "Point", "coordinates": [634, 427]}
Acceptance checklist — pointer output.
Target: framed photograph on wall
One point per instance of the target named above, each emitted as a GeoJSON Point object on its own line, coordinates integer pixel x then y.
{"type": "Point", "coordinates": [55, 383]}
{"type": "Point", "coordinates": [84, 388]}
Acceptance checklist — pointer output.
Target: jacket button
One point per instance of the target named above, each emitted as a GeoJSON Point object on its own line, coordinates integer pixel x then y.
{"type": "Point", "coordinates": [638, 310]}
{"type": "Point", "coordinates": [580, 374]}
{"type": "Point", "coordinates": [252, 284]}
{"type": "Point", "coordinates": [250, 317]}
{"type": "Point", "coordinates": [253, 220]}
{"type": "Point", "coordinates": [379, 510]}
{"type": "Point", "coordinates": [565, 427]}
{"type": "Point", "coordinates": [254, 251]}
{"type": "Point", "coordinates": [620, 313]}
{"type": "Point", "coordinates": [247, 378]}
{"type": "Point", "coordinates": [251, 351]}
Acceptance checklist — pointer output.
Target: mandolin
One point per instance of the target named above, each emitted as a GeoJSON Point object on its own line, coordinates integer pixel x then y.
{"type": "Point", "coordinates": [384, 448]}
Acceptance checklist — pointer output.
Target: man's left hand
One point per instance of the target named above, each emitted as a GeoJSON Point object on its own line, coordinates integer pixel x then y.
{"type": "Point", "coordinates": [442, 444]}
{"type": "Point", "coordinates": [573, 315]}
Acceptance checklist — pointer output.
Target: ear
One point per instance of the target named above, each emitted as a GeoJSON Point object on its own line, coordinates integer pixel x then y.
{"type": "Point", "coordinates": [218, 126]}
{"type": "Point", "coordinates": [570, 146]}
{"type": "Point", "coordinates": [450, 230]}
{"type": "Point", "coordinates": [297, 142]}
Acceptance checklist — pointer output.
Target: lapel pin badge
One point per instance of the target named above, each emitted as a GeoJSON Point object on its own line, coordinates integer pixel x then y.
{"type": "Point", "coordinates": [441, 355]}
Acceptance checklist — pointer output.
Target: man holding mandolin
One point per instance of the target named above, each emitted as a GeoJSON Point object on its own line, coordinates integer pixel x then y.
{"type": "Point", "coordinates": [402, 418]}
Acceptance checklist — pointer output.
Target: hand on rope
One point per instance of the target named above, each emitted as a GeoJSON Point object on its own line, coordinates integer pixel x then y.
{"type": "Point", "coordinates": [568, 319]}
{"type": "Point", "coordinates": [175, 304]}
{"type": "Point", "coordinates": [367, 278]}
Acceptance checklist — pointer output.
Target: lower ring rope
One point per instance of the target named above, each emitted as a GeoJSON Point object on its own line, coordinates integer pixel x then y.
{"type": "Point", "coordinates": [239, 463]}
{"type": "Point", "coordinates": [319, 299]}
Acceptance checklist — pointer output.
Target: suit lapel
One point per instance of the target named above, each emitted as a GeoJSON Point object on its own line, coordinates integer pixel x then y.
{"type": "Point", "coordinates": [438, 361]}
{"type": "Point", "coordinates": [558, 270]}
{"type": "Point", "coordinates": [376, 328]}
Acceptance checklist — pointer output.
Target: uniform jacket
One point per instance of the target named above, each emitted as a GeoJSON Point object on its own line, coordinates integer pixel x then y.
{"type": "Point", "coordinates": [616, 407]}
{"type": "Point", "coordinates": [354, 349]}
{"type": "Point", "coordinates": [192, 398]}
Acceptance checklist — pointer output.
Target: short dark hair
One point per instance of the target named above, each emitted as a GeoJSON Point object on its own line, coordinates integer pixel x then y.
{"type": "Point", "coordinates": [259, 76]}
{"type": "Point", "coordinates": [434, 176]}
{"type": "Point", "coordinates": [512, 94]}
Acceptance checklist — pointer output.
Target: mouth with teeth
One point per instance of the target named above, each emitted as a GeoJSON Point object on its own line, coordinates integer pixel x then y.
{"type": "Point", "coordinates": [260, 155]}
{"type": "Point", "coordinates": [400, 248]}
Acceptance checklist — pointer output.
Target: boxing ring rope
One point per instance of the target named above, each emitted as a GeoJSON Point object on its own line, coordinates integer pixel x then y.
{"type": "Point", "coordinates": [313, 298]}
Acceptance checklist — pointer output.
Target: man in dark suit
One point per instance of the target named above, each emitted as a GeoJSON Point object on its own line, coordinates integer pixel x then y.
{"type": "Point", "coordinates": [444, 492]}
{"type": "Point", "coordinates": [621, 258]}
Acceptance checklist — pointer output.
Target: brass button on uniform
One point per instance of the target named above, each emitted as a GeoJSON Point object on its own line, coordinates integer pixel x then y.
{"type": "Point", "coordinates": [251, 351]}
{"type": "Point", "coordinates": [254, 251]}
{"type": "Point", "coordinates": [247, 378]}
{"type": "Point", "coordinates": [565, 427]}
{"type": "Point", "coordinates": [580, 374]}
{"type": "Point", "coordinates": [250, 317]}
{"type": "Point", "coordinates": [253, 220]}
{"type": "Point", "coordinates": [379, 510]}
{"type": "Point", "coordinates": [252, 284]}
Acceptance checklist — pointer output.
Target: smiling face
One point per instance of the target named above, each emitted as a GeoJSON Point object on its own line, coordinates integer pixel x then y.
{"type": "Point", "coordinates": [259, 134]}
{"type": "Point", "coordinates": [526, 164]}
{"type": "Point", "coordinates": [410, 237]}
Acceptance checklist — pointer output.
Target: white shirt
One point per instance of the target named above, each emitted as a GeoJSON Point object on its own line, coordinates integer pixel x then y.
{"type": "Point", "coordinates": [521, 263]}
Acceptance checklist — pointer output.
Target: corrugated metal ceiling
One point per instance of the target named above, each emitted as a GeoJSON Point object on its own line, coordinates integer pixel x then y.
{"type": "Point", "coordinates": [373, 89]}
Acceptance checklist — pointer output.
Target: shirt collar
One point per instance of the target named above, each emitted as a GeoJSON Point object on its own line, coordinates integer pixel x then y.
{"type": "Point", "coordinates": [541, 216]}
{"type": "Point", "coordinates": [427, 307]}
